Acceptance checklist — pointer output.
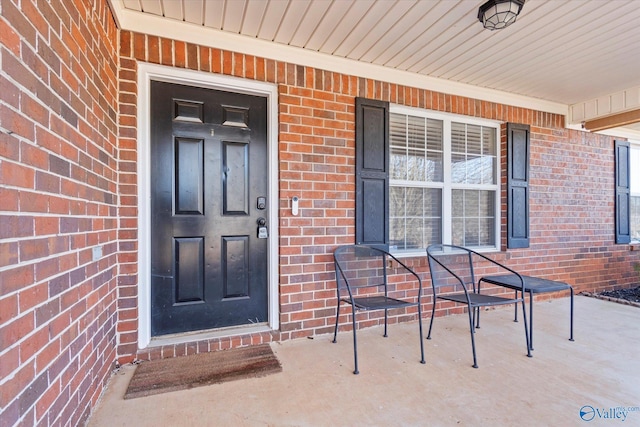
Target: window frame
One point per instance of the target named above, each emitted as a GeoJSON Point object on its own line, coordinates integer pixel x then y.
{"type": "Point", "coordinates": [447, 186]}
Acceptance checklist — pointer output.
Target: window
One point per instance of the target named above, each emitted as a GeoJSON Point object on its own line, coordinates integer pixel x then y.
{"type": "Point", "coordinates": [634, 191]}
{"type": "Point", "coordinates": [443, 180]}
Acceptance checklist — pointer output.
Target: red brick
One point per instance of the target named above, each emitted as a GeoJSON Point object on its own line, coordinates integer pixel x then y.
{"type": "Point", "coordinates": [17, 124]}
{"type": "Point", "coordinates": [139, 47]}
{"type": "Point", "coordinates": [153, 46]}
{"type": "Point", "coordinates": [192, 56]}
{"type": "Point", "coordinates": [179, 54]}
{"type": "Point", "coordinates": [125, 43]}
{"type": "Point", "coordinates": [205, 58]}
{"type": "Point", "coordinates": [9, 38]}
{"type": "Point", "coordinates": [167, 51]}
{"type": "Point", "coordinates": [227, 62]}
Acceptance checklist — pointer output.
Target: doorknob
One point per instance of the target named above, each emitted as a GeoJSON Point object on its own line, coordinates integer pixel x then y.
{"type": "Point", "coordinates": [263, 232]}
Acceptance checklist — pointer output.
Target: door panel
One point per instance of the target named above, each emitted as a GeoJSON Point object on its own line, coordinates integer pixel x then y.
{"type": "Point", "coordinates": [209, 166]}
{"type": "Point", "coordinates": [235, 186]}
{"type": "Point", "coordinates": [189, 176]}
{"type": "Point", "coordinates": [189, 266]}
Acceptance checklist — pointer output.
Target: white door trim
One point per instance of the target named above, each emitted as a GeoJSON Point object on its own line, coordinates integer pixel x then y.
{"type": "Point", "coordinates": [146, 73]}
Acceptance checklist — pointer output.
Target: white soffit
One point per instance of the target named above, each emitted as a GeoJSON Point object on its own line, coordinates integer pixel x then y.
{"type": "Point", "coordinates": [156, 25]}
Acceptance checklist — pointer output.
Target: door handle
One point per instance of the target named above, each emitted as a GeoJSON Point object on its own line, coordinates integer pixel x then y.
{"type": "Point", "coordinates": [263, 232]}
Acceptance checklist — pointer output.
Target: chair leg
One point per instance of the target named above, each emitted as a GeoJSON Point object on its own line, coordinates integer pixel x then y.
{"type": "Point", "coordinates": [421, 340]}
{"type": "Point", "coordinates": [526, 329]}
{"type": "Point", "coordinates": [386, 316]}
{"type": "Point", "coordinates": [515, 309]}
{"type": "Point", "coordinates": [471, 312]}
{"type": "Point", "coordinates": [355, 341]}
{"type": "Point", "coordinates": [571, 314]}
{"type": "Point", "coordinates": [335, 331]}
{"type": "Point", "coordinates": [433, 312]}
{"type": "Point", "coordinates": [530, 319]}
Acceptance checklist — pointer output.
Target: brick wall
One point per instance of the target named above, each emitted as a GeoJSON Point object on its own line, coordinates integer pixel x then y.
{"type": "Point", "coordinates": [58, 201]}
{"type": "Point", "coordinates": [571, 187]}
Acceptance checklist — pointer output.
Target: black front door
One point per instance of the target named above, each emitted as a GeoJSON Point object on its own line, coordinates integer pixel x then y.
{"type": "Point", "coordinates": [208, 204]}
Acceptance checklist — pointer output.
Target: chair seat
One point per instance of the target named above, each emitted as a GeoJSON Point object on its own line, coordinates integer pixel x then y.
{"type": "Point", "coordinates": [478, 299]}
{"type": "Point", "coordinates": [378, 303]}
{"type": "Point", "coordinates": [534, 285]}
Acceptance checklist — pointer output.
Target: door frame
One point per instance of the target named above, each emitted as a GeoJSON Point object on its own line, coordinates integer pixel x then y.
{"type": "Point", "coordinates": [146, 73]}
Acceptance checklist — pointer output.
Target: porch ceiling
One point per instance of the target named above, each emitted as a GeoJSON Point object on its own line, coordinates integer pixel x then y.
{"type": "Point", "coordinates": [582, 54]}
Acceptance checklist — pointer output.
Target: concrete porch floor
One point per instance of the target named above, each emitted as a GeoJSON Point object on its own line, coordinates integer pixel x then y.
{"type": "Point", "coordinates": [598, 372]}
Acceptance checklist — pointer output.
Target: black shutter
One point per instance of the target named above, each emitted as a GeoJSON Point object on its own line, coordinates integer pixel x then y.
{"type": "Point", "coordinates": [518, 185]}
{"type": "Point", "coordinates": [372, 172]}
{"type": "Point", "coordinates": [623, 195]}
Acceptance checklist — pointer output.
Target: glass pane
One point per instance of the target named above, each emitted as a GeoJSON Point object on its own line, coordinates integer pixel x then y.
{"type": "Point", "coordinates": [474, 139]}
{"type": "Point", "coordinates": [486, 204]}
{"type": "Point", "coordinates": [486, 228]}
{"type": "Point", "coordinates": [398, 129]}
{"type": "Point", "coordinates": [396, 233]}
{"type": "Point", "coordinates": [433, 202]}
{"type": "Point", "coordinates": [397, 202]}
{"type": "Point", "coordinates": [489, 141]}
{"type": "Point", "coordinates": [434, 134]}
{"type": "Point", "coordinates": [416, 132]}
{"type": "Point", "coordinates": [416, 165]}
{"type": "Point", "coordinates": [434, 172]}
{"type": "Point", "coordinates": [635, 218]}
{"type": "Point", "coordinates": [471, 232]}
{"type": "Point", "coordinates": [471, 201]}
{"type": "Point", "coordinates": [432, 231]}
{"type": "Point", "coordinates": [398, 135]}
{"type": "Point", "coordinates": [457, 203]}
{"type": "Point", "coordinates": [488, 169]}
{"type": "Point", "coordinates": [458, 168]}
{"type": "Point", "coordinates": [414, 202]}
{"type": "Point", "coordinates": [458, 137]}
{"type": "Point", "coordinates": [414, 233]}
{"type": "Point", "coordinates": [634, 170]}
{"type": "Point", "coordinates": [398, 164]}
{"type": "Point", "coordinates": [415, 221]}
{"type": "Point", "coordinates": [457, 231]}
{"type": "Point", "coordinates": [474, 170]}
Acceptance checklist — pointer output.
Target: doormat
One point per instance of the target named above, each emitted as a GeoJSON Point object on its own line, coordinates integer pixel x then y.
{"type": "Point", "coordinates": [181, 373]}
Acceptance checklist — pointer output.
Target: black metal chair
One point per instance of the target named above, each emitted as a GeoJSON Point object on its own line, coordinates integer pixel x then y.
{"type": "Point", "coordinates": [453, 278]}
{"type": "Point", "coordinates": [367, 278]}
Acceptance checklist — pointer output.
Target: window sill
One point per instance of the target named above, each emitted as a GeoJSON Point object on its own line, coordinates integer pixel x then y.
{"type": "Point", "coordinates": [634, 246]}
{"type": "Point", "coordinates": [423, 252]}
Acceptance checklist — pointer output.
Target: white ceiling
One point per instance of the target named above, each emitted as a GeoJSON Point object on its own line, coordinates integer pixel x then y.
{"type": "Point", "coordinates": [561, 51]}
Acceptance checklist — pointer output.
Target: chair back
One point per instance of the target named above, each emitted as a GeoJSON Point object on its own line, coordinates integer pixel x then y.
{"type": "Point", "coordinates": [451, 268]}
{"type": "Point", "coordinates": [359, 266]}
